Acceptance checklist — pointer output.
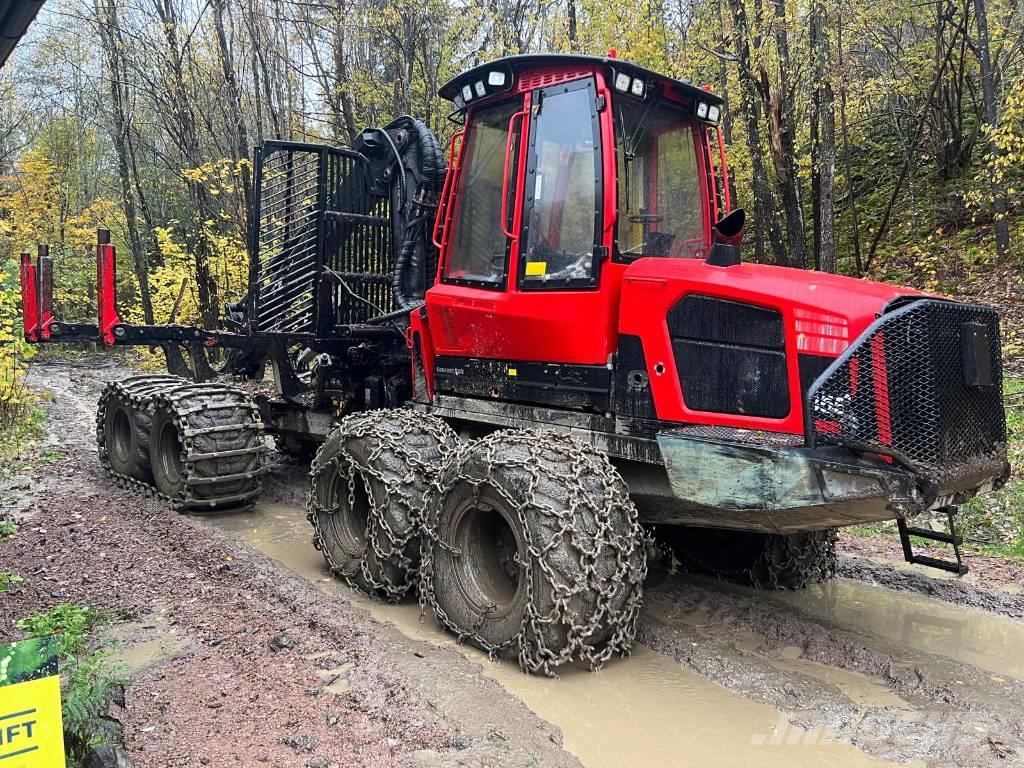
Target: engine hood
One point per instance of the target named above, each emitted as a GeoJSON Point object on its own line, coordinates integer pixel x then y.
{"type": "Point", "coordinates": [858, 301]}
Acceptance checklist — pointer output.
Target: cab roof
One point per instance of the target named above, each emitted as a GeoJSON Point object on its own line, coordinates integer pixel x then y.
{"type": "Point", "coordinates": [517, 64]}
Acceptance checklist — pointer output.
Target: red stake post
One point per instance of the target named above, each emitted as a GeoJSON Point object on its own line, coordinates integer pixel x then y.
{"type": "Point", "coordinates": [106, 288]}
{"type": "Point", "coordinates": [29, 298]}
{"type": "Point", "coordinates": [44, 269]}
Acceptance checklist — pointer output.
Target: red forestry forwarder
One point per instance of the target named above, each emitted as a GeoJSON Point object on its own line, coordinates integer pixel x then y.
{"type": "Point", "coordinates": [512, 363]}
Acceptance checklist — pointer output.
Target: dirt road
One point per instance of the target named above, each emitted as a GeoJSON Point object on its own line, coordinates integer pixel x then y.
{"type": "Point", "coordinates": [247, 653]}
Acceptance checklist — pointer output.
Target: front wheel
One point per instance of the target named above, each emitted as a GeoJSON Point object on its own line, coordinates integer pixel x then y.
{"type": "Point", "coordinates": [763, 560]}
{"type": "Point", "coordinates": [370, 483]}
{"type": "Point", "coordinates": [535, 551]}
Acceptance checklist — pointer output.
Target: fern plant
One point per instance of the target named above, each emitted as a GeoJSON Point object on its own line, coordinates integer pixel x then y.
{"type": "Point", "coordinates": [88, 691]}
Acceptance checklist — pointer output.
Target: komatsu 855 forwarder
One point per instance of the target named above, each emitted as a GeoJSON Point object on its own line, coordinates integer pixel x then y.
{"type": "Point", "coordinates": [515, 362]}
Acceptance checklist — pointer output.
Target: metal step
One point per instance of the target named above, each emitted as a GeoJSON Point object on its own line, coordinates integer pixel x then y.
{"type": "Point", "coordinates": [943, 565]}
{"type": "Point", "coordinates": [952, 537]}
{"type": "Point", "coordinates": [946, 538]}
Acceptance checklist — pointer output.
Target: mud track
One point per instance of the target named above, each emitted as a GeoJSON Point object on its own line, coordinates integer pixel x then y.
{"type": "Point", "coordinates": [248, 656]}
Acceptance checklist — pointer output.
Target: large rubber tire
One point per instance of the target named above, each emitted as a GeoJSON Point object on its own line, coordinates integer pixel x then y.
{"type": "Point", "coordinates": [123, 422]}
{"type": "Point", "coordinates": [206, 447]}
{"type": "Point", "coordinates": [535, 551]}
{"type": "Point", "coordinates": [762, 560]}
{"type": "Point", "coordinates": [370, 485]}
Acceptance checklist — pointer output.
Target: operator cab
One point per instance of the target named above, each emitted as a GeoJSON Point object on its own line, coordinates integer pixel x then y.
{"type": "Point", "coordinates": [566, 170]}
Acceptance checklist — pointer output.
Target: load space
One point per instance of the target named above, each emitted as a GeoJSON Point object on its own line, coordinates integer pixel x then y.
{"type": "Point", "coordinates": [529, 367]}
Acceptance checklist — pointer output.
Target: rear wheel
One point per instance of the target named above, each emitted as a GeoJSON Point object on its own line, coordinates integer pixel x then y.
{"type": "Point", "coordinates": [123, 441]}
{"type": "Point", "coordinates": [764, 560]}
{"type": "Point", "coordinates": [206, 447]}
{"type": "Point", "coordinates": [370, 485]}
{"type": "Point", "coordinates": [124, 421]}
{"type": "Point", "coordinates": [535, 551]}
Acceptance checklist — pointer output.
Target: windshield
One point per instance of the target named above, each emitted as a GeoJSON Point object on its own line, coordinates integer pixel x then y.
{"type": "Point", "coordinates": [661, 192]}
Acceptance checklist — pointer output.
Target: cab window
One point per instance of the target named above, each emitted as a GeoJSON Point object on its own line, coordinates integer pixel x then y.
{"type": "Point", "coordinates": [478, 249]}
{"type": "Point", "coordinates": [562, 194]}
{"type": "Point", "coordinates": [661, 190]}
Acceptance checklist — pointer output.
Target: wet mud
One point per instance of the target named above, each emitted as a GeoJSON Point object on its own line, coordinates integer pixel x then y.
{"type": "Point", "coordinates": [633, 712]}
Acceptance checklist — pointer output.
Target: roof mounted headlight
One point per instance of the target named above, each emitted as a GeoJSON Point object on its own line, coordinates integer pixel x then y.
{"type": "Point", "coordinates": [496, 78]}
{"type": "Point", "coordinates": [480, 90]}
{"type": "Point", "coordinates": [714, 112]}
{"type": "Point", "coordinates": [467, 92]}
{"type": "Point", "coordinates": [638, 88]}
{"type": "Point", "coordinates": [702, 110]}
{"type": "Point", "coordinates": [622, 82]}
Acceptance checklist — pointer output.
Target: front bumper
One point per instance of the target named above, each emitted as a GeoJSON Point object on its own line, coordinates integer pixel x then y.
{"type": "Point", "coordinates": [731, 478]}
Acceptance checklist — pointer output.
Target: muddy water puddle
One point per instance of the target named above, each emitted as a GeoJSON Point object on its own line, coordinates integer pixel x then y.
{"type": "Point", "coordinates": [862, 691]}
{"type": "Point", "coordinates": [645, 710]}
{"type": "Point", "coordinates": [139, 644]}
{"type": "Point", "coordinates": [991, 642]}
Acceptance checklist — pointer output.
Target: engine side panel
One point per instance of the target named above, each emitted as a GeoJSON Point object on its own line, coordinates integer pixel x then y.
{"type": "Point", "coordinates": [738, 346]}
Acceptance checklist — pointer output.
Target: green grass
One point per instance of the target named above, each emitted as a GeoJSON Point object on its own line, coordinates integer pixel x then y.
{"type": "Point", "coordinates": [8, 529]}
{"type": "Point", "coordinates": [72, 623]}
{"type": "Point", "coordinates": [8, 580]}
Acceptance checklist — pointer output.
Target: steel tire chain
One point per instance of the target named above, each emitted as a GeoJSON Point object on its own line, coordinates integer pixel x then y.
{"type": "Point", "coordinates": [145, 392]}
{"type": "Point", "coordinates": [387, 544]}
{"type": "Point", "coordinates": [812, 562]}
{"type": "Point", "coordinates": [628, 547]}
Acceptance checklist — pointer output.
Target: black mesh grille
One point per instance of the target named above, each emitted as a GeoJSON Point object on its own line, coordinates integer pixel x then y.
{"type": "Point", "coordinates": [902, 390]}
{"type": "Point", "coordinates": [755, 438]}
{"type": "Point", "coordinates": [314, 210]}
{"type": "Point", "coordinates": [730, 356]}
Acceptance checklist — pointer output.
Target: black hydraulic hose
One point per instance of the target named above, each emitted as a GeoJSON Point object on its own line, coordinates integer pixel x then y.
{"type": "Point", "coordinates": [431, 172]}
{"type": "Point", "coordinates": [408, 256]}
{"type": "Point", "coordinates": [396, 314]}
{"type": "Point", "coordinates": [398, 161]}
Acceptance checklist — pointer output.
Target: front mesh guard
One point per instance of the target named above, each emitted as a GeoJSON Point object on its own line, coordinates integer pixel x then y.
{"type": "Point", "coordinates": [922, 385]}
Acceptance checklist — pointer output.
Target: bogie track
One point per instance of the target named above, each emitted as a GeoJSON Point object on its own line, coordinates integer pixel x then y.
{"type": "Point", "coordinates": [197, 446]}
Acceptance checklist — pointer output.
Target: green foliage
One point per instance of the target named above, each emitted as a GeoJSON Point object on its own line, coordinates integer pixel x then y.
{"type": "Point", "coordinates": [89, 682]}
{"type": "Point", "coordinates": [71, 623]}
{"type": "Point", "coordinates": [17, 439]}
{"type": "Point", "coordinates": [8, 529]}
{"type": "Point", "coordinates": [8, 580]}
{"type": "Point", "coordinates": [87, 693]}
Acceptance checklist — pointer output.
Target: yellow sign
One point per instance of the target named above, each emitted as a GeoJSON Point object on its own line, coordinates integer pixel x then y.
{"type": "Point", "coordinates": [31, 735]}
{"type": "Point", "coordinates": [536, 268]}
{"type": "Point", "coordinates": [31, 732]}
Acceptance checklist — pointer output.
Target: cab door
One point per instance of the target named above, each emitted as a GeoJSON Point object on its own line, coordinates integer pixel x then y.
{"type": "Point", "coordinates": [526, 297]}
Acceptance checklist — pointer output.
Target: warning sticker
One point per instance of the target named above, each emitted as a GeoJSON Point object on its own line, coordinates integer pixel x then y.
{"type": "Point", "coordinates": [536, 268]}
{"type": "Point", "coordinates": [31, 733]}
